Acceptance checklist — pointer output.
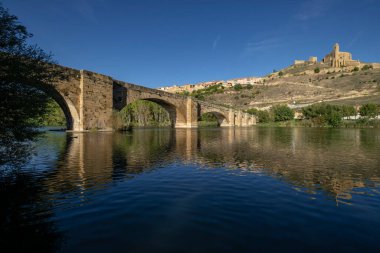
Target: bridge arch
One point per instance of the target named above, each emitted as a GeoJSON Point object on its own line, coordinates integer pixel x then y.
{"type": "Point", "coordinates": [175, 106]}
{"type": "Point", "coordinates": [174, 114]}
{"type": "Point", "coordinates": [64, 102]}
{"type": "Point", "coordinates": [220, 117]}
{"type": "Point", "coordinates": [68, 108]}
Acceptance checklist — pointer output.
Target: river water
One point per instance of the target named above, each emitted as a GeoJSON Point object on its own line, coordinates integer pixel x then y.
{"type": "Point", "coordinates": [206, 190]}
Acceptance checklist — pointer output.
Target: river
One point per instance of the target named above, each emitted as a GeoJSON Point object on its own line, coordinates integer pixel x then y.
{"type": "Point", "coordinates": [207, 190]}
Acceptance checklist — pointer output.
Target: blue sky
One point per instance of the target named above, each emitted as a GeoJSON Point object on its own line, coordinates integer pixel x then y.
{"type": "Point", "coordinates": [165, 42]}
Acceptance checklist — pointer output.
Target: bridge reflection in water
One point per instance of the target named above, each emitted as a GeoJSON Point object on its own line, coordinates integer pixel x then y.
{"type": "Point", "coordinates": [338, 163]}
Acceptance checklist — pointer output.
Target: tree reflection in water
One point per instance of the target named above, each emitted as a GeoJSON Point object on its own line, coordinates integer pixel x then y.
{"type": "Point", "coordinates": [26, 215]}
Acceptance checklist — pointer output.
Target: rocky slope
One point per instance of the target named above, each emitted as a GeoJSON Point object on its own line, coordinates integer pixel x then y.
{"type": "Point", "coordinates": [300, 86]}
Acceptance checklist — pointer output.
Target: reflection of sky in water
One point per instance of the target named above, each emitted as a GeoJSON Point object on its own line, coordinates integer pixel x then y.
{"type": "Point", "coordinates": [207, 190]}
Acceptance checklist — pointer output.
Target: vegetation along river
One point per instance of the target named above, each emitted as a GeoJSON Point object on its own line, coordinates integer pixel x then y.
{"type": "Point", "coordinates": [207, 190]}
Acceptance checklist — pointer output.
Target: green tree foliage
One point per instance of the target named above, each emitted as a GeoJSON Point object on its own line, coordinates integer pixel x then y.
{"type": "Point", "coordinates": [54, 115]}
{"type": "Point", "coordinates": [282, 113]}
{"type": "Point", "coordinates": [356, 69]}
{"type": "Point", "coordinates": [249, 86]}
{"type": "Point", "coordinates": [238, 87]}
{"type": "Point", "coordinates": [317, 70]}
{"type": "Point", "coordinates": [367, 67]}
{"type": "Point", "coordinates": [208, 120]}
{"type": "Point", "coordinates": [264, 117]}
{"type": "Point", "coordinates": [369, 110]}
{"type": "Point", "coordinates": [334, 118]}
{"type": "Point", "coordinates": [331, 115]}
{"type": "Point", "coordinates": [348, 110]}
{"type": "Point", "coordinates": [202, 93]}
{"type": "Point", "coordinates": [142, 114]}
{"type": "Point", "coordinates": [280, 73]}
{"type": "Point", "coordinates": [209, 117]}
{"type": "Point", "coordinates": [20, 64]}
{"type": "Point", "coordinates": [252, 111]}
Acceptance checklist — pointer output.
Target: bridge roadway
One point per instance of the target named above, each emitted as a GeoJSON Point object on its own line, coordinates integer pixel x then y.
{"type": "Point", "coordinates": [88, 100]}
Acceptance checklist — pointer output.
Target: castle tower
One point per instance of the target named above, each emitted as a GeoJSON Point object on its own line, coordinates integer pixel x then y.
{"type": "Point", "coordinates": [336, 56]}
{"type": "Point", "coordinates": [336, 48]}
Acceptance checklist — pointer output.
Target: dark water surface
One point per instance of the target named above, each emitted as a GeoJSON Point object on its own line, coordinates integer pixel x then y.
{"type": "Point", "coordinates": [208, 190]}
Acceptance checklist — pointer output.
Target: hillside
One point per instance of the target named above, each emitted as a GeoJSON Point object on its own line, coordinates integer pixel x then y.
{"type": "Point", "coordinates": [337, 78]}
{"type": "Point", "coordinates": [299, 86]}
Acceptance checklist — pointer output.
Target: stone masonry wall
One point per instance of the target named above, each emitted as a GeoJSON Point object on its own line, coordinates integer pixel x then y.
{"type": "Point", "coordinates": [96, 101]}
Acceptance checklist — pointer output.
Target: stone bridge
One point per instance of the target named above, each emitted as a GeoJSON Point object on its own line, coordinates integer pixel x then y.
{"type": "Point", "coordinates": [88, 100]}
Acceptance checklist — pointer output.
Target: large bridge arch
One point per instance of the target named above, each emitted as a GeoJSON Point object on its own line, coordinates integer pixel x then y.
{"type": "Point", "coordinates": [174, 114]}
{"type": "Point", "coordinates": [66, 105]}
{"type": "Point", "coordinates": [221, 117]}
{"type": "Point", "coordinates": [64, 93]}
{"type": "Point", "coordinates": [182, 110]}
{"type": "Point", "coordinates": [225, 116]}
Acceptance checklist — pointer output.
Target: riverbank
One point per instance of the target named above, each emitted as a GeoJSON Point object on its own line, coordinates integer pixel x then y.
{"type": "Point", "coordinates": [359, 123]}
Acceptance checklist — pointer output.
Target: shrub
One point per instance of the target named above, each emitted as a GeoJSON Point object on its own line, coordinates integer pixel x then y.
{"type": "Point", "coordinates": [367, 67]}
{"type": "Point", "coordinates": [282, 113]}
{"type": "Point", "coordinates": [263, 116]}
{"type": "Point", "coordinates": [238, 87]}
{"type": "Point", "coordinates": [369, 110]}
{"type": "Point", "coordinates": [334, 118]}
{"type": "Point", "coordinates": [317, 70]}
{"type": "Point", "coordinates": [280, 73]}
{"type": "Point", "coordinates": [253, 111]}
{"type": "Point", "coordinates": [348, 110]}
{"type": "Point", "coordinates": [323, 113]}
{"type": "Point", "coordinates": [249, 86]}
{"type": "Point", "coordinates": [356, 69]}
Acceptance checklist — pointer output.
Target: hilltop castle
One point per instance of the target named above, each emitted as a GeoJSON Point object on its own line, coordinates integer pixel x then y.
{"type": "Point", "coordinates": [339, 59]}
{"type": "Point", "coordinates": [334, 59]}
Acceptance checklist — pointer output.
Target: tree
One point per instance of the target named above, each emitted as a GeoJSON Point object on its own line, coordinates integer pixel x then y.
{"type": "Point", "coordinates": [348, 110]}
{"type": "Point", "coordinates": [334, 118]}
{"type": "Point", "coordinates": [369, 110]}
{"type": "Point", "coordinates": [280, 73]}
{"type": "Point", "coordinates": [263, 116]}
{"type": "Point", "coordinates": [20, 64]}
{"type": "Point", "coordinates": [317, 70]}
{"type": "Point", "coordinates": [282, 113]}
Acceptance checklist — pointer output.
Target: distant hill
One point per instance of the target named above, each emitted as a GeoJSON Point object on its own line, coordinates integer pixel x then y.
{"type": "Point", "coordinates": [296, 86]}
{"type": "Point", "coordinates": [300, 86]}
{"type": "Point", "coordinates": [336, 79]}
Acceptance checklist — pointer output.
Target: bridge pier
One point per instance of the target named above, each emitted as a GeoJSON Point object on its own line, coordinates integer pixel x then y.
{"type": "Point", "coordinates": [230, 120]}
{"type": "Point", "coordinates": [191, 119]}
